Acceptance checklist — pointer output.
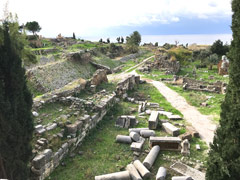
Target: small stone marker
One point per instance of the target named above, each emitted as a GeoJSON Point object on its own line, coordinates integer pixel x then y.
{"type": "Point", "coordinates": [153, 120]}
{"type": "Point", "coordinates": [133, 172]}
{"type": "Point", "coordinates": [161, 174]}
{"type": "Point", "coordinates": [198, 147]}
{"type": "Point", "coordinates": [182, 178]}
{"type": "Point", "coordinates": [123, 139]}
{"type": "Point", "coordinates": [174, 117]}
{"type": "Point", "coordinates": [135, 136]}
{"type": "Point", "coordinates": [185, 148]}
{"type": "Point", "coordinates": [137, 146]}
{"type": "Point", "coordinates": [137, 130]}
{"type": "Point", "coordinates": [151, 157]}
{"type": "Point", "coordinates": [124, 175]}
{"type": "Point", "coordinates": [147, 133]}
{"type": "Point", "coordinates": [171, 129]}
{"type": "Point", "coordinates": [144, 172]}
{"type": "Point", "coordinates": [166, 143]}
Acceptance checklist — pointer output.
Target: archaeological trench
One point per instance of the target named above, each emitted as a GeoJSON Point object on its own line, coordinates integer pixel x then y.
{"type": "Point", "coordinates": [56, 140]}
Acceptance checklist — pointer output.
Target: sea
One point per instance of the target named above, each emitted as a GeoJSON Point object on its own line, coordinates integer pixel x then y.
{"type": "Point", "coordinates": [200, 39]}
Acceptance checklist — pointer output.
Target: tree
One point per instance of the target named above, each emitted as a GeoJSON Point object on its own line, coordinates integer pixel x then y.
{"type": "Point", "coordinates": [108, 40]}
{"type": "Point", "coordinates": [33, 27]}
{"type": "Point", "coordinates": [100, 40]}
{"type": "Point", "coordinates": [122, 40]}
{"type": "Point", "coordinates": [218, 48]}
{"type": "Point", "coordinates": [133, 41]}
{"type": "Point", "coordinates": [156, 44]}
{"type": "Point", "coordinates": [16, 122]}
{"type": "Point", "coordinates": [74, 37]}
{"type": "Point", "coordinates": [118, 39]}
{"type": "Point", "coordinates": [134, 38]}
{"type": "Point", "coordinates": [224, 155]}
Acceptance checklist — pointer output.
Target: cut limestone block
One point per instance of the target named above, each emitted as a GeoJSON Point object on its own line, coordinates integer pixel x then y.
{"type": "Point", "coordinates": [126, 121]}
{"type": "Point", "coordinates": [186, 135]}
{"type": "Point", "coordinates": [143, 171]}
{"type": "Point", "coordinates": [174, 117]}
{"type": "Point", "coordinates": [147, 133]}
{"type": "Point", "coordinates": [123, 139]}
{"type": "Point", "coordinates": [192, 131]}
{"type": "Point", "coordinates": [165, 113]}
{"type": "Point", "coordinates": [198, 147]}
{"type": "Point", "coordinates": [166, 143]}
{"type": "Point", "coordinates": [137, 146]}
{"type": "Point", "coordinates": [124, 175]}
{"type": "Point", "coordinates": [171, 129]}
{"type": "Point", "coordinates": [182, 178]}
{"type": "Point", "coordinates": [151, 157]}
{"type": "Point", "coordinates": [135, 136]}
{"type": "Point", "coordinates": [161, 174]}
{"type": "Point", "coordinates": [133, 172]}
{"type": "Point", "coordinates": [188, 171]}
{"type": "Point", "coordinates": [137, 130]}
{"type": "Point", "coordinates": [153, 120]}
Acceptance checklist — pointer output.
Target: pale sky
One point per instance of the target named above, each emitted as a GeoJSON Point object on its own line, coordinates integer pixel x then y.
{"type": "Point", "coordinates": [103, 17]}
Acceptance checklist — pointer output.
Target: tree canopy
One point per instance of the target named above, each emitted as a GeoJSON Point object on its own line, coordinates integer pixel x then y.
{"type": "Point", "coordinates": [16, 122]}
{"type": "Point", "coordinates": [224, 155]}
{"type": "Point", "coordinates": [33, 27]}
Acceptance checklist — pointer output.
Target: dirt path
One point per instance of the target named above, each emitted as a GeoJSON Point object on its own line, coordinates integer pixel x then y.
{"type": "Point", "coordinates": [202, 123]}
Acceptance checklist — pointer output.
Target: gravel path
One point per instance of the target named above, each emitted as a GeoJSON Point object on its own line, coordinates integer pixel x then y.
{"type": "Point", "coordinates": [202, 123]}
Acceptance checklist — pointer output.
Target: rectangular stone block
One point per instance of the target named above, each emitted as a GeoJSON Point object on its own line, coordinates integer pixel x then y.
{"type": "Point", "coordinates": [153, 120]}
{"type": "Point", "coordinates": [137, 146]}
{"type": "Point", "coordinates": [171, 129]}
{"type": "Point", "coordinates": [166, 143]}
{"type": "Point", "coordinates": [174, 117]}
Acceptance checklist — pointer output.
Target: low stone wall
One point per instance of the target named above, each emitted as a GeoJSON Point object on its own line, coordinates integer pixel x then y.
{"type": "Point", "coordinates": [100, 66]}
{"type": "Point", "coordinates": [47, 160]}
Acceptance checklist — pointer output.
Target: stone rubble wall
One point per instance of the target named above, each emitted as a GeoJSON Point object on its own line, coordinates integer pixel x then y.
{"type": "Point", "coordinates": [54, 96]}
{"type": "Point", "coordinates": [70, 89]}
{"type": "Point", "coordinates": [127, 84]}
{"type": "Point", "coordinates": [46, 161]}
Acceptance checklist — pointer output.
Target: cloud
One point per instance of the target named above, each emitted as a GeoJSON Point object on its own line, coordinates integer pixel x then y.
{"type": "Point", "coordinates": [92, 16]}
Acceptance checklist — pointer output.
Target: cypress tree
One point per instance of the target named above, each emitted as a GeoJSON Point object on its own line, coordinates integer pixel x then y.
{"type": "Point", "coordinates": [224, 155]}
{"type": "Point", "coordinates": [16, 122]}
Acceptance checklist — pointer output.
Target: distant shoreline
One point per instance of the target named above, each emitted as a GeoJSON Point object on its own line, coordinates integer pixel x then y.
{"type": "Point", "coordinates": [201, 39]}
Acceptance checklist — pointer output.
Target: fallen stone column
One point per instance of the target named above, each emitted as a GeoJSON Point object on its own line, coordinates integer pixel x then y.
{"type": "Point", "coordinates": [133, 172]}
{"type": "Point", "coordinates": [135, 136]}
{"type": "Point", "coordinates": [147, 133]}
{"type": "Point", "coordinates": [137, 130]}
{"type": "Point", "coordinates": [144, 172]}
{"type": "Point", "coordinates": [124, 175]}
{"type": "Point", "coordinates": [151, 157]}
{"type": "Point", "coordinates": [182, 178]}
{"type": "Point", "coordinates": [123, 139]}
{"type": "Point", "coordinates": [161, 174]}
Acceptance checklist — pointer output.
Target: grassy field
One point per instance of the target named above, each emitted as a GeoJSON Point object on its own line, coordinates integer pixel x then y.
{"type": "Point", "coordinates": [101, 155]}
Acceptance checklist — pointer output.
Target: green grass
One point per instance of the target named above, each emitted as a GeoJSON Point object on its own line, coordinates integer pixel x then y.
{"type": "Point", "coordinates": [155, 96]}
{"type": "Point", "coordinates": [106, 61]}
{"type": "Point", "coordinates": [32, 88]}
{"type": "Point", "coordinates": [195, 98]}
{"type": "Point", "coordinates": [101, 155]}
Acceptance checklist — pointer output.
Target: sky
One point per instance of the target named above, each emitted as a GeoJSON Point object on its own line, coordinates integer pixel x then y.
{"type": "Point", "coordinates": [107, 18]}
